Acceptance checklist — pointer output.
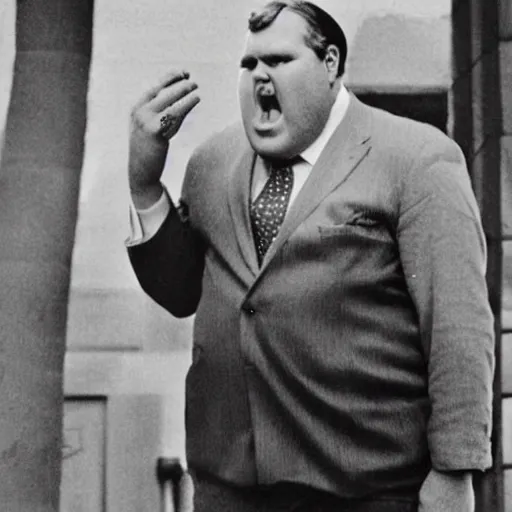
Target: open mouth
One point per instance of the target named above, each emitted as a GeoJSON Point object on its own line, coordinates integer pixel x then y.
{"type": "Point", "coordinates": [269, 109]}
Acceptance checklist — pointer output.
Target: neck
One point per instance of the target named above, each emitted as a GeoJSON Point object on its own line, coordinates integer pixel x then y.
{"type": "Point", "coordinates": [335, 89]}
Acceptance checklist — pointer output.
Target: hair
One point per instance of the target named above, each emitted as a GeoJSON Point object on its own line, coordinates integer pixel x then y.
{"type": "Point", "coordinates": [323, 30]}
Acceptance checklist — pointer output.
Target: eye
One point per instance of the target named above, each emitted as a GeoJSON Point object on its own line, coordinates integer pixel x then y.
{"type": "Point", "coordinates": [276, 60]}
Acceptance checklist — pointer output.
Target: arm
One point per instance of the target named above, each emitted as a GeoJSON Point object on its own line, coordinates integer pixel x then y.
{"type": "Point", "coordinates": [443, 252]}
{"type": "Point", "coordinates": [144, 224]}
{"type": "Point", "coordinates": [169, 265]}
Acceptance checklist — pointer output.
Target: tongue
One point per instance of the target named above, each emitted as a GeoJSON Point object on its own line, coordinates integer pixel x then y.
{"type": "Point", "coordinates": [270, 116]}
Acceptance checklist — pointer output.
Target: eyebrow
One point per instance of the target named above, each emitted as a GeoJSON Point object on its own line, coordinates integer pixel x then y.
{"type": "Point", "coordinates": [248, 61]}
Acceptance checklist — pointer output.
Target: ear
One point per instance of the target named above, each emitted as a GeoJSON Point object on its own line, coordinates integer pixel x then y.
{"type": "Point", "coordinates": [331, 61]}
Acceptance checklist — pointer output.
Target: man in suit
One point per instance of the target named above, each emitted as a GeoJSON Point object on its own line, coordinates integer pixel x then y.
{"type": "Point", "coordinates": [334, 257]}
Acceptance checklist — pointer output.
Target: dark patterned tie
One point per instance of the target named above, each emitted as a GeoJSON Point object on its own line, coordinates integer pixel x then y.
{"type": "Point", "coordinates": [269, 208]}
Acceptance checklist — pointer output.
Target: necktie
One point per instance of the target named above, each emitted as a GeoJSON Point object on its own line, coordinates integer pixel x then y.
{"type": "Point", "coordinates": [269, 208]}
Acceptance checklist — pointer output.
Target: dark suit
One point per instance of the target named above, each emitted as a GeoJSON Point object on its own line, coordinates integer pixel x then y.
{"type": "Point", "coordinates": [361, 352]}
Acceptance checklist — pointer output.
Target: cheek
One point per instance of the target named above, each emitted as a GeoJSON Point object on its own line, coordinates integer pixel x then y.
{"type": "Point", "coordinates": [307, 103]}
{"type": "Point", "coordinates": [298, 113]}
{"type": "Point", "coordinates": [300, 92]}
{"type": "Point", "coordinates": [244, 91]}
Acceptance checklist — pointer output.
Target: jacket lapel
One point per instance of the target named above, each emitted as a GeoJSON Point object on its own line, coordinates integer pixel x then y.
{"type": "Point", "coordinates": [239, 200]}
{"type": "Point", "coordinates": [346, 148]}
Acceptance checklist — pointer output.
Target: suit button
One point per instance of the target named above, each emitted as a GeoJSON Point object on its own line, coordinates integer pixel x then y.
{"type": "Point", "coordinates": [248, 309]}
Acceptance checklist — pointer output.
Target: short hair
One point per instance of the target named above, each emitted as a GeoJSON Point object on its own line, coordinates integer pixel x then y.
{"type": "Point", "coordinates": [323, 30]}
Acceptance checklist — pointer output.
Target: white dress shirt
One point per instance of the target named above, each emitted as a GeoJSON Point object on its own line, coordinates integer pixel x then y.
{"type": "Point", "coordinates": [144, 223]}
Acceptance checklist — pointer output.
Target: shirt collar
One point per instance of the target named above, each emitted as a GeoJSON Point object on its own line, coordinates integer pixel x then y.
{"type": "Point", "coordinates": [338, 111]}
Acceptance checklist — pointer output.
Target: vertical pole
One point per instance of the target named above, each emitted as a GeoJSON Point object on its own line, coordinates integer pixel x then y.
{"type": "Point", "coordinates": [39, 185]}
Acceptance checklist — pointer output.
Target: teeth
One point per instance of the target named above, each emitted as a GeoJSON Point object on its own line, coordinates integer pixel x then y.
{"type": "Point", "coordinates": [265, 90]}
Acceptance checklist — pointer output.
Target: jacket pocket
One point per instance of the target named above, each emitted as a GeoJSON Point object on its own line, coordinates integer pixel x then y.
{"type": "Point", "coordinates": [371, 230]}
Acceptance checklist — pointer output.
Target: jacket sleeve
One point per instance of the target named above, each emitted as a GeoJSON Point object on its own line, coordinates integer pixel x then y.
{"type": "Point", "coordinates": [443, 252]}
{"type": "Point", "coordinates": [169, 266]}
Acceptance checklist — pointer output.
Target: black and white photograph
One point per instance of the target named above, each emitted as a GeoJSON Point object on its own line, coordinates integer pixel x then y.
{"type": "Point", "coordinates": [256, 256]}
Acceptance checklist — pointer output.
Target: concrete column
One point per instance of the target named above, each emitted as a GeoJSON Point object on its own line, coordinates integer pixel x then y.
{"type": "Point", "coordinates": [39, 183]}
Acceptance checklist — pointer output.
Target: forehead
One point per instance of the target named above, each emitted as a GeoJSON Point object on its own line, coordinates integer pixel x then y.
{"type": "Point", "coordinates": [287, 33]}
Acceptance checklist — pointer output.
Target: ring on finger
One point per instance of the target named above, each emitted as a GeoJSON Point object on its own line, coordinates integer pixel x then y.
{"type": "Point", "coordinates": [167, 122]}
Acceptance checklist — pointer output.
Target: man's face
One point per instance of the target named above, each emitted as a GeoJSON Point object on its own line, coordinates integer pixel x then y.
{"type": "Point", "coordinates": [286, 92]}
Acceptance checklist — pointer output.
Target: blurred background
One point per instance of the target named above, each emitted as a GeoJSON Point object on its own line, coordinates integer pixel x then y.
{"type": "Point", "coordinates": [126, 360]}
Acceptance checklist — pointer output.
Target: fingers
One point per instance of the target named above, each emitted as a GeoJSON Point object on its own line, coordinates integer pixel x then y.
{"type": "Point", "coordinates": [168, 79]}
{"type": "Point", "coordinates": [176, 113]}
{"type": "Point", "coordinates": [171, 94]}
{"type": "Point", "coordinates": [174, 76]}
{"type": "Point", "coordinates": [171, 99]}
{"type": "Point", "coordinates": [180, 109]}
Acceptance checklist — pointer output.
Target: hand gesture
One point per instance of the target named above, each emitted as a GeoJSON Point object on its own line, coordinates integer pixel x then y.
{"type": "Point", "coordinates": [155, 119]}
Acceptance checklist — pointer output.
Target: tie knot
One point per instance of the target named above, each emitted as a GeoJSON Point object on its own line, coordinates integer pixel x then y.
{"type": "Point", "coordinates": [278, 174]}
{"type": "Point", "coordinates": [278, 165]}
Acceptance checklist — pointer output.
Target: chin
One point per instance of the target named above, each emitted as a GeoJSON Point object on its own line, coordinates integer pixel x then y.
{"type": "Point", "coordinates": [273, 148]}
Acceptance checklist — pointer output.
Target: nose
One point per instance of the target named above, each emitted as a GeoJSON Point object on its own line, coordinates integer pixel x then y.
{"type": "Point", "coordinates": [260, 73]}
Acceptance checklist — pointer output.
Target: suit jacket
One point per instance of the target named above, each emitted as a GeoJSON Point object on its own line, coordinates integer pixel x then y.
{"type": "Point", "coordinates": [361, 352]}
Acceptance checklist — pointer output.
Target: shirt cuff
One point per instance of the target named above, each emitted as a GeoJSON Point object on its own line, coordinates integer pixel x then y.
{"type": "Point", "coordinates": [145, 223]}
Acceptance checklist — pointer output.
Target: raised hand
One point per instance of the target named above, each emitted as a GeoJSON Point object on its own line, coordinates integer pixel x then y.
{"type": "Point", "coordinates": [155, 119]}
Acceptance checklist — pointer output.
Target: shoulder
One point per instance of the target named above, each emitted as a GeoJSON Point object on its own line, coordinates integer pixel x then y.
{"type": "Point", "coordinates": [220, 147]}
{"type": "Point", "coordinates": [413, 152]}
{"type": "Point", "coordinates": [409, 139]}
{"type": "Point", "coordinates": [213, 158]}
{"type": "Point", "coordinates": [420, 162]}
